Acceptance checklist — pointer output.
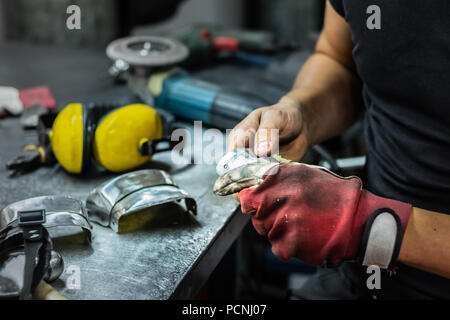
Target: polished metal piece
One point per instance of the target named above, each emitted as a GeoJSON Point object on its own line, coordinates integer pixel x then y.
{"type": "Point", "coordinates": [56, 267]}
{"type": "Point", "coordinates": [134, 192]}
{"type": "Point", "coordinates": [62, 214]}
{"type": "Point", "coordinates": [240, 169]}
{"type": "Point", "coordinates": [236, 158]}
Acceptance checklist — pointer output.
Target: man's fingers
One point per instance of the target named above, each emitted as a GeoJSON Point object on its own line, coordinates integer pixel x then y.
{"type": "Point", "coordinates": [266, 141]}
{"type": "Point", "coordinates": [265, 129]}
{"type": "Point", "coordinates": [243, 134]}
{"type": "Point", "coordinates": [267, 135]}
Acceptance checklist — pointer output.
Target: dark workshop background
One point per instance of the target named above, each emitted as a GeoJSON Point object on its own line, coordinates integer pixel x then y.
{"type": "Point", "coordinates": [43, 21]}
{"type": "Point", "coordinates": [248, 270]}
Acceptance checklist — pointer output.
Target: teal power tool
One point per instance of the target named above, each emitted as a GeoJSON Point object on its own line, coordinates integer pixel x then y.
{"type": "Point", "coordinates": [195, 99]}
{"type": "Point", "coordinates": [149, 62]}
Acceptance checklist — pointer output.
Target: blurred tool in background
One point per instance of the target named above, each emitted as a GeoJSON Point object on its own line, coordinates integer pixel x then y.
{"type": "Point", "coordinates": [14, 101]}
{"type": "Point", "coordinates": [208, 42]}
{"type": "Point", "coordinates": [149, 61]}
{"type": "Point", "coordinates": [194, 99]}
{"type": "Point", "coordinates": [35, 155]}
{"type": "Point", "coordinates": [37, 110]}
{"type": "Point", "coordinates": [10, 102]}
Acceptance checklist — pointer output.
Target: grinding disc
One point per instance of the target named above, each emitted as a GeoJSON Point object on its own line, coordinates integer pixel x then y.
{"type": "Point", "coordinates": [147, 51]}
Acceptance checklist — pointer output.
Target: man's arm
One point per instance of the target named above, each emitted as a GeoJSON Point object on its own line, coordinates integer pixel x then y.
{"type": "Point", "coordinates": [426, 243]}
{"type": "Point", "coordinates": [321, 104]}
{"type": "Point", "coordinates": [327, 89]}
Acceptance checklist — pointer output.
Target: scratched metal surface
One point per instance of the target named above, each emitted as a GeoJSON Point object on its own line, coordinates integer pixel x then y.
{"type": "Point", "coordinates": [144, 264]}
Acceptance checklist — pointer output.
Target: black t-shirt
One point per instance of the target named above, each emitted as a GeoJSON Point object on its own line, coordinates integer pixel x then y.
{"type": "Point", "coordinates": [402, 55]}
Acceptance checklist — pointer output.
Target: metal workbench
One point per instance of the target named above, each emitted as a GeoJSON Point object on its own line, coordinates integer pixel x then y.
{"type": "Point", "coordinates": [162, 261]}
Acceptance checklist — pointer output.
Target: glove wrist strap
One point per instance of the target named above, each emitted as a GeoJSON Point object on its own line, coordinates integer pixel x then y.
{"type": "Point", "coordinates": [381, 239]}
{"type": "Point", "coordinates": [382, 223]}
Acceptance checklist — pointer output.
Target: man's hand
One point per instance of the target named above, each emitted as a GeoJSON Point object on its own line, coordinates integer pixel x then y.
{"type": "Point", "coordinates": [265, 128]}
{"type": "Point", "coordinates": [323, 223]}
{"type": "Point", "coordinates": [322, 103]}
{"type": "Point", "coordinates": [318, 217]}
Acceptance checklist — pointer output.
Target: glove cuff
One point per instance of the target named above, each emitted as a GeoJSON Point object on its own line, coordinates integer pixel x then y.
{"type": "Point", "coordinates": [383, 231]}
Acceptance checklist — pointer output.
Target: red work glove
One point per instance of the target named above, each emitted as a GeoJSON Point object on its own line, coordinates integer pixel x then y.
{"type": "Point", "coordinates": [318, 217]}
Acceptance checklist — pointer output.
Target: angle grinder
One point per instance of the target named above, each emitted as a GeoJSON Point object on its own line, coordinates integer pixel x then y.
{"type": "Point", "coordinates": [150, 63]}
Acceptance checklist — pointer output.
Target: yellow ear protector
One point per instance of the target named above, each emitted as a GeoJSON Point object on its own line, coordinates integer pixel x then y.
{"type": "Point", "coordinates": [118, 138]}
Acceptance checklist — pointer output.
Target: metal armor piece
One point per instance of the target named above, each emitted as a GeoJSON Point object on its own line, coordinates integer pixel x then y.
{"type": "Point", "coordinates": [133, 192]}
{"type": "Point", "coordinates": [25, 254]}
{"type": "Point", "coordinates": [241, 168]}
{"type": "Point", "coordinates": [55, 268]}
{"type": "Point", "coordinates": [62, 213]}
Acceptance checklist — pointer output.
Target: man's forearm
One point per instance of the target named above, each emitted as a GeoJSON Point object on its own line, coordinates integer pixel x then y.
{"type": "Point", "coordinates": [327, 89]}
{"type": "Point", "coordinates": [426, 243]}
{"type": "Point", "coordinates": [328, 94]}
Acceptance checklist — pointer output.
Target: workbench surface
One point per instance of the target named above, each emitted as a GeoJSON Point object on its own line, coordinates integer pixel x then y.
{"type": "Point", "coordinates": [162, 261]}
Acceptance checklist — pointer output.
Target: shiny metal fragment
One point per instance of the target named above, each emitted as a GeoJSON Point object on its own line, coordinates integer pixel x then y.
{"type": "Point", "coordinates": [56, 267]}
{"type": "Point", "coordinates": [241, 169]}
{"type": "Point", "coordinates": [134, 192]}
{"type": "Point", "coordinates": [63, 214]}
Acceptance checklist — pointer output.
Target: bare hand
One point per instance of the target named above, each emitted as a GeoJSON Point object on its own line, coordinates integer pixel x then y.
{"type": "Point", "coordinates": [269, 127]}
